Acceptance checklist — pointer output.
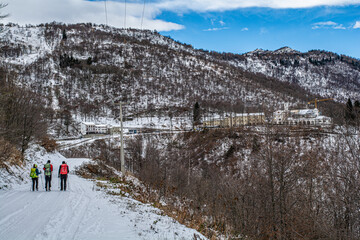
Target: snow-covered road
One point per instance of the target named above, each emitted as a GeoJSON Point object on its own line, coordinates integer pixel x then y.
{"type": "Point", "coordinates": [81, 213]}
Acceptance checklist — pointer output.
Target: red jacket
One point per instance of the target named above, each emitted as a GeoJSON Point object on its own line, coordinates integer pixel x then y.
{"type": "Point", "coordinates": [63, 169]}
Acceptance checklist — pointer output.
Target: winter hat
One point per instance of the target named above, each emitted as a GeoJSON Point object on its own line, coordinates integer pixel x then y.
{"type": "Point", "coordinates": [48, 161]}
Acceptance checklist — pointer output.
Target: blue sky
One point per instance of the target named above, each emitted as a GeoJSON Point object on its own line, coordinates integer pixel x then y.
{"type": "Point", "coordinates": [236, 26]}
{"type": "Point", "coordinates": [243, 30]}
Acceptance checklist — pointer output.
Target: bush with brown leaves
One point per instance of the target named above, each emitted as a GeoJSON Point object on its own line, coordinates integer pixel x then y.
{"type": "Point", "coordinates": [49, 144]}
{"type": "Point", "coordinates": [9, 155]}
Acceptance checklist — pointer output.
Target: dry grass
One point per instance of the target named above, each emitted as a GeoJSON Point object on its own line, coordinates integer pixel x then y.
{"type": "Point", "coordinates": [9, 155]}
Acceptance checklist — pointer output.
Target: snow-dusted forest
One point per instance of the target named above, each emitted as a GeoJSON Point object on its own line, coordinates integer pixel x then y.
{"type": "Point", "coordinates": [250, 182]}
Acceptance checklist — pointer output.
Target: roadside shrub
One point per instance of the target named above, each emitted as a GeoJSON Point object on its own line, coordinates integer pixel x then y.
{"type": "Point", "coordinates": [9, 155]}
{"type": "Point", "coordinates": [49, 144]}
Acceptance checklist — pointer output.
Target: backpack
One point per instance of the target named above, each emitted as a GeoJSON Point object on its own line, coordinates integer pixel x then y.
{"type": "Point", "coordinates": [63, 169]}
{"type": "Point", "coordinates": [33, 173]}
{"type": "Point", "coordinates": [47, 169]}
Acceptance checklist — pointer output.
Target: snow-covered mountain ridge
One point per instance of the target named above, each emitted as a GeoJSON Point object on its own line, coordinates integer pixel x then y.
{"type": "Point", "coordinates": [85, 68]}
{"type": "Point", "coordinates": [322, 73]}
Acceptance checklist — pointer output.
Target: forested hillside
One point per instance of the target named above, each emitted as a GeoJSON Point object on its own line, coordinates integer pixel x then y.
{"type": "Point", "coordinates": [252, 182]}
{"type": "Point", "coordinates": [83, 69]}
{"type": "Point", "coordinates": [321, 73]}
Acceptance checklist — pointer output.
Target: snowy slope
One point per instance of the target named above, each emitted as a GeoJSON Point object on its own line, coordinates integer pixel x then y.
{"type": "Point", "coordinates": [322, 73]}
{"type": "Point", "coordinates": [16, 176]}
{"type": "Point", "coordinates": [83, 75]}
{"type": "Point", "coordinates": [153, 73]}
{"type": "Point", "coordinates": [80, 213]}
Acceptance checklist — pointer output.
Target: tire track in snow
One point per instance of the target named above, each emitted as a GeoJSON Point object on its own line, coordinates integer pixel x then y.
{"type": "Point", "coordinates": [27, 216]}
{"type": "Point", "coordinates": [13, 199]}
{"type": "Point", "coordinates": [66, 223]}
{"type": "Point", "coordinates": [35, 211]}
{"type": "Point", "coordinates": [12, 217]}
{"type": "Point", "coordinates": [80, 215]}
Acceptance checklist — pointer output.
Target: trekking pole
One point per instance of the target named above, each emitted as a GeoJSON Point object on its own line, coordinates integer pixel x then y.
{"type": "Point", "coordinates": [58, 182]}
{"type": "Point", "coordinates": [68, 183]}
{"type": "Point", "coordinates": [42, 183]}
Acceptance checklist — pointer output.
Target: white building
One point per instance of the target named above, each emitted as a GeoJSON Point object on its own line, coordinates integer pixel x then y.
{"type": "Point", "coordinates": [92, 128]}
{"type": "Point", "coordinates": [101, 129]}
{"type": "Point", "coordinates": [242, 119]}
{"type": "Point", "coordinates": [87, 127]}
{"type": "Point", "coordinates": [301, 117]}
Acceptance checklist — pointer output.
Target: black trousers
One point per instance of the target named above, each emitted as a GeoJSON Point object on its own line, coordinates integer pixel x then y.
{"type": "Point", "coordinates": [63, 178]}
{"type": "Point", "coordinates": [47, 182]}
{"type": "Point", "coordinates": [35, 183]}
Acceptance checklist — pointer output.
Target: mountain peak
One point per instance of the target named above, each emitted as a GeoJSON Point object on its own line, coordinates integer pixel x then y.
{"type": "Point", "coordinates": [285, 49]}
{"type": "Point", "coordinates": [282, 50]}
{"type": "Point", "coordinates": [257, 51]}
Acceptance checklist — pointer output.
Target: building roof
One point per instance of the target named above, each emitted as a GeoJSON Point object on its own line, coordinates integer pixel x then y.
{"type": "Point", "coordinates": [249, 114]}
{"type": "Point", "coordinates": [101, 125]}
{"type": "Point", "coordinates": [88, 123]}
{"type": "Point", "coordinates": [305, 111]}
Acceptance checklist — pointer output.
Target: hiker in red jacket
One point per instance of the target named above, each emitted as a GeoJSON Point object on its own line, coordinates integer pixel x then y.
{"type": "Point", "coordinates": [63, 172]}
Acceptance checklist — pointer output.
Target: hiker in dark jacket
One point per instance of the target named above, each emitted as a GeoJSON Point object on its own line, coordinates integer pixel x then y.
{"type": "Point", "coordinates": [63, 172]}
{"type": "Point", "coordinates": [48, 168]}
{"type": "Point", "coordinates": [34, 174]}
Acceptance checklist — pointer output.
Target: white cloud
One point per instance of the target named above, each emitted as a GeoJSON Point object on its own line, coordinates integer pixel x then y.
{"type": "Point", "coordinates": [245, 29]}
{"type": "Point", "coordinates": [328, 24]}
{"type": "Point", "coordinates": [75, 11]}
{"type": "Point", "coordinates": [357, 24]}
{"type": "Point", "coordinates": [223, 5]}
{"type": "Point", "coordinates": [215, 29]}
{"type": "Point", "coordinates": [340, 26]}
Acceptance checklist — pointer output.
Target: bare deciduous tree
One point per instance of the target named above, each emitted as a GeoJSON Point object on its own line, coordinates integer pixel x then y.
{"type": "Point", "coordinates": [22, 115]}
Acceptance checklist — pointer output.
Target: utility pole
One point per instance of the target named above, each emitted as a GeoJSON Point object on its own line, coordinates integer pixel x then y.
{"type": "Point", "coordinates": [122, 141]}
{"type": "Point", "coordinates": [106, 14]}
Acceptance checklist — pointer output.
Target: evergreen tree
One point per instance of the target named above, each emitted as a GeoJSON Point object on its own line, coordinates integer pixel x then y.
{"type": "Point", "coordinates": [357, 104]}
{"type": "Point", "coordinates": [89, 61]}
{"type": "Point", "coordinates": [64, 35]}
{"type": "Point", "coordinates": [357, 109]}
{"type": "Point", "coordinates": [196, 114]}
{"type": "Point", "coordinates": [349, 111]}
{"type": "Point", "coordinates": [67, 119]}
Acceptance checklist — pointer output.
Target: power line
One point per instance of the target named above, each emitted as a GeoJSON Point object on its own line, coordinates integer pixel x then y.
{"type": "Point", "coordinates": [142, 17]}
{"type": "Point", "coordinates": [125, 16]}
{"type": "Point", "coordinates": [106, 13]}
